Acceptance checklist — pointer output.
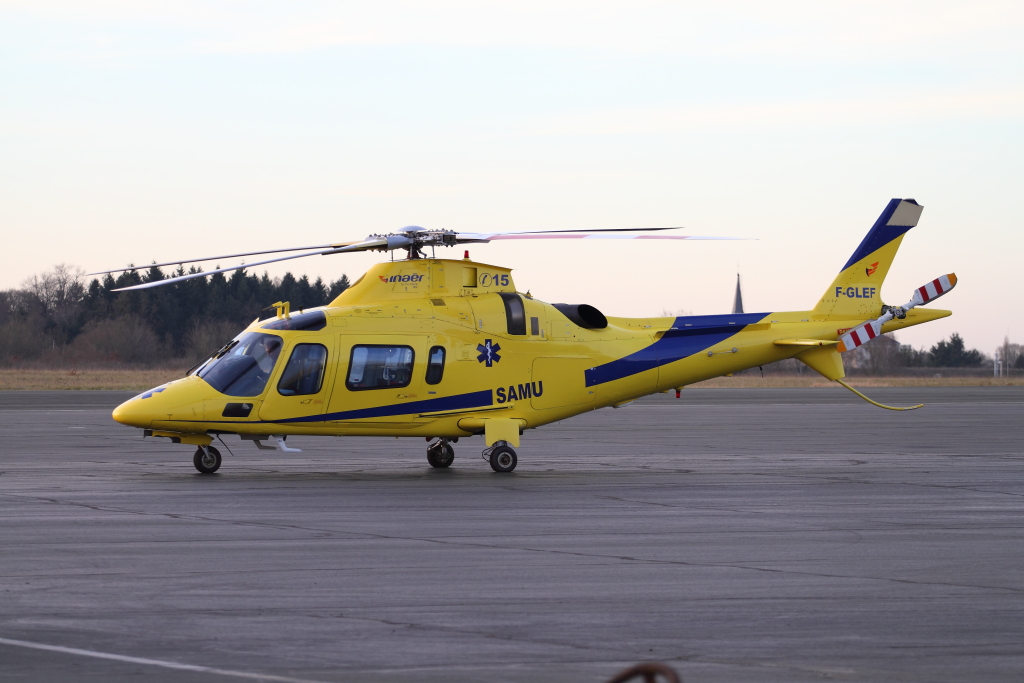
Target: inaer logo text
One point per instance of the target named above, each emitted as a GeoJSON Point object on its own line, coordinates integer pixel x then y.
{"type": "Point", "coordinates": [401, 278]}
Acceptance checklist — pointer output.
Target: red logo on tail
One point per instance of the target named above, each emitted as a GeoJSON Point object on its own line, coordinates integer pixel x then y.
{"type": "Point", "coordinates": [872, 269]}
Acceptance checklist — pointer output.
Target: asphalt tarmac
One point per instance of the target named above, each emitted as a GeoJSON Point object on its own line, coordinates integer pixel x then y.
{"type": "Point", "coordinates": [738, 535]}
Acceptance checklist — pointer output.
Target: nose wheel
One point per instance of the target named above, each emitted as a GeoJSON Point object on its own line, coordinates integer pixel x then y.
{"type": "Point", "coordinates": [501, 456]}
{"type": "Point", "coordinates": [440, 453]}
{"type": "Point", "coordinates": [206, 459]}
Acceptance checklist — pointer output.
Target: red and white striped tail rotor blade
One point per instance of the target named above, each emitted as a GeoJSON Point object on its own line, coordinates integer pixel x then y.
{"type": "Point", "coordinates": [934, 289]}
{"type": "Point", "coordinates": [862, 334]}
{"type": "Point", "coordinates": [859, 335]}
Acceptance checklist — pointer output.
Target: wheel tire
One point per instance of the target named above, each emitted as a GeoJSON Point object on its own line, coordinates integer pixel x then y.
{"type": "Point", "coordinates": [503, 459]}
{"type": "Point", "coordinates": [208, 462]}
{"type": "Point", "coordinates": [440, 455]}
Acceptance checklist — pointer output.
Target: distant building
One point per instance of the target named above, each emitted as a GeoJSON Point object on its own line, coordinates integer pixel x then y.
{"type": "Point", "coordinates": [737, 304]}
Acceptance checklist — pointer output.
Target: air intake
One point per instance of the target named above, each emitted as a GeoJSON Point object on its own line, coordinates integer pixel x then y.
{"type": "Point", "coordinates": [583, 315]}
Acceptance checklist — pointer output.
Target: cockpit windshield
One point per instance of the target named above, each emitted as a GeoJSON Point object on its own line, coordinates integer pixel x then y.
{"type": "Point", "coordinates": [243, 367]}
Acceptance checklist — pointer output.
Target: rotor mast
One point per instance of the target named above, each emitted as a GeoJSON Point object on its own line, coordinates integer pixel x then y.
{"type": "Point", "coordinates": [414, 240]}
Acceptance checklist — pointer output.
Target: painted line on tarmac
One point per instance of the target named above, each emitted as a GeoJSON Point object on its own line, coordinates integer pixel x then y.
{"type": "Point", "coordinates": [153, 662]}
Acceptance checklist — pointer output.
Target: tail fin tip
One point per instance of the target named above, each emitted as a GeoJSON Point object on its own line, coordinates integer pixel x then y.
{"type": "Point", "coordinates": [899, 216]}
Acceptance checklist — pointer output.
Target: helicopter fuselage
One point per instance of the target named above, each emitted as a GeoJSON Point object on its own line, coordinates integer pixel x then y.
{"type": "Point", "coordinates": [449, 348]}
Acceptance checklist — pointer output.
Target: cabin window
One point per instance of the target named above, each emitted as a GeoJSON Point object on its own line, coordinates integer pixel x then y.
{"type": "Point", "coordinates": [435, 365]}
{"type": "Point", "coordinates": [304, 373]}
{"type": "Point", "coordinates": [535, 326]}
{"type": "Point", "coordinates": [515, 313]}
{"type": "Point", "coordinates": [375, 366]}
{"type": "Point", "coordinates": [243, 366]}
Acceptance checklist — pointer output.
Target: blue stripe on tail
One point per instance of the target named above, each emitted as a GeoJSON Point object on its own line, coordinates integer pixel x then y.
{"type": "Point", "coordinates": [689, 335]}
{"type": "Point", "coordinates": [880, 234]}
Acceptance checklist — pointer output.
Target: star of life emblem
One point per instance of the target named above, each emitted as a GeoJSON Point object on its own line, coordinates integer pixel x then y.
{"type": "Point", "coordinates": [488, 352]}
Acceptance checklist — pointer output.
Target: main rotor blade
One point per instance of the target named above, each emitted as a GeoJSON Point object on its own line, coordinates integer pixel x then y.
{"type": "Point", "coordinates": [470, 237]}
{"type": "Point", "coordinates": [407, 241]}
{"type": "Point", "coordinates": [544, 232]}
{"type": "Point", "coordinates": [217, 258]}
{"type": "Point", "coordinates": [158, 283]}
{"type": "Point", "coordinates": [522, 236]}
{"type": "Point", "coordinates": [364, 245]}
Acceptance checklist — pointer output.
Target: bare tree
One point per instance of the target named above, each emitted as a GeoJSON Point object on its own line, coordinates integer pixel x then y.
{"type": "Point", "coordinates": [128, 340]}
{"type": "Point", "coordinates": [206, 336]}
{"type": "Point", "coordinates": [1010, 354]}
{"type": "Point", "coordinates": [58, 295]}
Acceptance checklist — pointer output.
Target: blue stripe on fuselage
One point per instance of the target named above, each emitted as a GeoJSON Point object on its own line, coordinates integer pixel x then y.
{"type": "Point", "coordinates": [476, 399]}
{"type": "Point", "coordinates": [689, 335]}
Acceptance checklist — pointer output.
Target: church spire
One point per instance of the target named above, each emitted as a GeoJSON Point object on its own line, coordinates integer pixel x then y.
{"type": "Point", "coordinates": [737, 304]}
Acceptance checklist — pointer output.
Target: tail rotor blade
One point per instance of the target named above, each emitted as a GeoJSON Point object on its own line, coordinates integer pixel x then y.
{"type": "Point", "coordinates": [928, 293]}
{"type": "Point", "coordinates": [924, 294]}
{"type": "Point", "coordinates": [859, 335]}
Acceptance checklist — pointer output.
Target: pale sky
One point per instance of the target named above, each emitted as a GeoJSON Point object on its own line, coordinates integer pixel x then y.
{"type": "Point", "coordinates": [134, 132]}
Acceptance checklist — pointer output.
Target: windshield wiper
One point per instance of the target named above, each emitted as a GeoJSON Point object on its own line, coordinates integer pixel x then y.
{"type": "Point", "coordinates": [224, 349]}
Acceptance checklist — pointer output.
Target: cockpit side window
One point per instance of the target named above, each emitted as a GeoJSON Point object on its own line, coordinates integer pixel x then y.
{"type": "Point", "coordinates": [304, 373]}
{"type": "Point", "coordinates": [243, 368]}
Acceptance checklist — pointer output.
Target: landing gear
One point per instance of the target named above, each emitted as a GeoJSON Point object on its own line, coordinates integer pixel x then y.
{"type": "Point", "coordinates": [501, 456]}
{"type": "Point", "coordinates": [440, 453]}
{"type": "Point", "coordinates": [206, 459]}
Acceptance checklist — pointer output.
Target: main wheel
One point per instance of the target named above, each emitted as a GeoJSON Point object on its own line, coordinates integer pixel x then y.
{"type": "Point", "coordinates": [207, 461]}
{"type": "Point", "coordinates": [440, 454]}
{"type": "Point", "coordinates": [503, 459]}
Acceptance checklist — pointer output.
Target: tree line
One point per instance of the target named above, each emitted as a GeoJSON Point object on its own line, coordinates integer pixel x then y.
{"type": "Point", "coordinates": [888, 356]}
{"type": "Point", "coordinates": [57, 317]}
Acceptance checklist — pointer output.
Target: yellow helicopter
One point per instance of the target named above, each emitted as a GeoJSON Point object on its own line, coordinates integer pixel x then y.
{"type": "Point", "coordinates": [444, 349]}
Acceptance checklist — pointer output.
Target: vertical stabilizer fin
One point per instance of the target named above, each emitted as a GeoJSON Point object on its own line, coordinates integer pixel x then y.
{"type": "Point", "coordinates": [856, 291]}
